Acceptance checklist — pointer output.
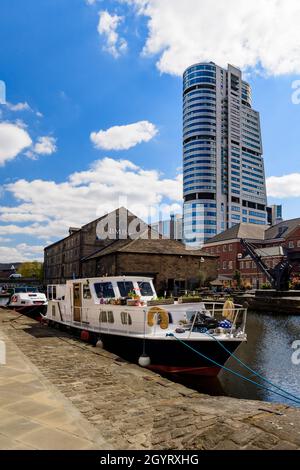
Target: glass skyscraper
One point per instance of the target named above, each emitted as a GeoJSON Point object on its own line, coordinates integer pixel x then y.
{"type": "Point", "coordinates": [223, 168]}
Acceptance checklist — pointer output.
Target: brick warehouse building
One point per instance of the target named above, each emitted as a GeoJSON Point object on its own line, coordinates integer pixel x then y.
{"type": "Point", "coordinates": [271, 242]}
{"type": "Point", "coordinates": [63, 259]}
{"type": "Point", "coordinates": [83, 254]}
{"type": "Point", "coordinates": [173, 268]}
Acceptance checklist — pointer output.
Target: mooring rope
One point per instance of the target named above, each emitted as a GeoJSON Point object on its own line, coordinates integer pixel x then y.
{"type": "Point", "coordinates": [234, 372]}
{"type": "Point", "coordinates": [252, 370]}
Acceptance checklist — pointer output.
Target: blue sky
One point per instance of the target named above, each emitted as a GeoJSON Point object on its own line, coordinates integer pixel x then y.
{"type": "Point", "coordinates": [77, 67]}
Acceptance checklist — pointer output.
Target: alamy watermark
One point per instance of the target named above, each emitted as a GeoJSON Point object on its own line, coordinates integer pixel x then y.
{"type": "Point", "coordinates": [2, 92]}
{"type": "Point", "coordinates": [296, 353]}
{"type": "Point", "coordinates": [151, 222]}
{"type": "Point", "coordinates": [2, 353]}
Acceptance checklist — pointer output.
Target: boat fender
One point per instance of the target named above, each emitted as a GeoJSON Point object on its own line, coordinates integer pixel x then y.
{"type": "Point", "coordinates": [163, 316]}
{"type": "Point", "coordinates": [228, 310]}
{"type": "Point", "coordinates": [100, 344]}
{"type": "Point", "coordinates": [144, 360]}
{"type": "Point", "coordinates": [14, 298]}
{"type": "Point", "coordinates": [84, 335]}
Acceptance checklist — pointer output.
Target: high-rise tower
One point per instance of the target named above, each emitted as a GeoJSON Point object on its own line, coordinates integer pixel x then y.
{"type": "Point", "coordinates": [223, 168]}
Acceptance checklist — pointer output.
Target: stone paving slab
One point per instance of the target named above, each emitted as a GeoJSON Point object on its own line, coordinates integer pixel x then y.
{"type": "Point", "coordinates": [34, 414]}
{"type": "Point", "coordinates": [77, 396]}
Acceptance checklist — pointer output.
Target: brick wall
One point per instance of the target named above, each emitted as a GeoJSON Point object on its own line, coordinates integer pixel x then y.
{"type": "Point", "coordinates": [162, 268]}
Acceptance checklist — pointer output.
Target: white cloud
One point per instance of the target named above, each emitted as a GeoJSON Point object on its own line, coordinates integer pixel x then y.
{"type": "Point", "coordinates": [85, 195]}
{"type": "Point", "coordinates": [45, 146]}
{"type": "Point", "coordinates": [285, 186]}
{"type": "Point", "coordinates": [13, 140]}
{"type": "Point", "coordinates": [246, 34]}
{"type": "Point", "coordinates": [4, 240]}
{"type": "Point", "coordinates": [107, 26]}
{"type": "Point", "coordinates": [22, 252]}
{"type": "Point", "coordinates": [19, 106]}
{"type": "Point", "coordinates": [124, 137]}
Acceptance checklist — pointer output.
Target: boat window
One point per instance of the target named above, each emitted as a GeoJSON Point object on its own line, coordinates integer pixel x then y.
{"type": "Point", "coordinates": [86, 291]}
{"type": "Point", "coordinates": [145, 288]}
{"type": "Point", "coordinates": [110, 317]}
{"type": "Point", "coordinates": [103, 317]}
{"type": "Point", "coordinates": [125, 287]}
{"type": "Point", "coordinates": [104, 290]}
{"type": "Point", "coordinates": [53, 292]}
{"type": "Point", "coordinates": [53, 310]}
{"type": "Point", "coordinates": [49, 292]}
{"type": "Point", "coordinates": [126, 318]}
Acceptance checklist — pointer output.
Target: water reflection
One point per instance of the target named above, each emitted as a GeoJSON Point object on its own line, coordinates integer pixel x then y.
{"type": "Point", "coordinates": [268, 351]}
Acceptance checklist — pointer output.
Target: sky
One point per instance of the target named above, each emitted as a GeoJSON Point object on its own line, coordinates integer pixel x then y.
{"type": "Point", "coordinates": [93, 112]}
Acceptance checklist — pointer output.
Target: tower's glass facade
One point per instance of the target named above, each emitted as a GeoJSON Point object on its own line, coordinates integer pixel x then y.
{"type": "Point", "coordinates": [223, 171]}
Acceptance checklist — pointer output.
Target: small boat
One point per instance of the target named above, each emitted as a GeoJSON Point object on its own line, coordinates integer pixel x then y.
{"type": "Point", "coordinates": [123, 315]}
{"type": "Point", "coordinates": [27, 300]}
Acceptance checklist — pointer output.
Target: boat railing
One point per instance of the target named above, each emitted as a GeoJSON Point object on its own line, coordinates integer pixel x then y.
{"type": "Point", "coordinates": [237, 316]}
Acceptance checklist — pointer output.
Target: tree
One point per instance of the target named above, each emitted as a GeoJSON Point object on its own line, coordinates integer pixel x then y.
{"type": "Point", "coordinates": [32, 269]}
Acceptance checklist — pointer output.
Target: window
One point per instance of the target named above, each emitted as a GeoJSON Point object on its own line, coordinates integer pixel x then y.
{"type": "Point", "coordinates": [291, 244]}
{"type": "Point", "coordinates": [110, 317]}
{"type": "Point", "coordinates": [145, 288]}
{"type": "Point", "coordinates": [86, 291]}
{"type": "Point", "coordinates": [298, 243]}
{"type": "Point", "coordinates": [242, 265]}
{"type": "Point", "coordinates": [125, 287]}
{"type": "Point", "coordinates": [230, 247]}
{"type": "Point", "coordinates": [224, 265]}
{"type": "Point", "coordinates": [103, 317]}
{"type": "Point", "coordinates": [230, 264]}
{"type": "Point", "coordinates": [126, 318]}
{"type": "Point", "coordinates": [51, 292]}
{"type": "Point", "coordinates": [224, 248]}
{"type": "Point", "coordinates": [104, 290]}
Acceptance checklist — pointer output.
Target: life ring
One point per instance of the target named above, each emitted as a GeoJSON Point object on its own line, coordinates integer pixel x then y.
{"type": "Point", "coordinates": [163, 316]}
{"type": "Point", "coordinates": [14, 298]}
{"type": "Point", "coordinates": [228, 310]}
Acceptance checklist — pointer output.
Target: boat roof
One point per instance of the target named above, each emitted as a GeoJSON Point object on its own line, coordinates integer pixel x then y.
{"type": "Point", "coordinates": [110, 279]}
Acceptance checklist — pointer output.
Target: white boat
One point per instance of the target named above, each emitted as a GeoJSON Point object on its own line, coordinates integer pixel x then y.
{"type": "Point", "coordinates": [28, 300]}
{"type": "Point", "coordinates": [123, 315]}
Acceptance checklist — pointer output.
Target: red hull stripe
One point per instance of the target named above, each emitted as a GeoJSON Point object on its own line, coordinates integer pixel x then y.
{"type": "Point", "coordinates": [208, 371]}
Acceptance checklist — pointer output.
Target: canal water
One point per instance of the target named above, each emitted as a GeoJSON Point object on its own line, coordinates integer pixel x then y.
{"type": "Point", "coordinates": [269, 352]}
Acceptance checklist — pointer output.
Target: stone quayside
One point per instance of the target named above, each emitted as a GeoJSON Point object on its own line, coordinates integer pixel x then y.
{"type": "Point", "coordinates": [59, 393]}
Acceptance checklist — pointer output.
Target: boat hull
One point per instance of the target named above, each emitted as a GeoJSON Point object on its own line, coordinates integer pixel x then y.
{"type": "Point", "coordinates": [171, 356]}
{"type": "Point", "coordinates": [33, 311]}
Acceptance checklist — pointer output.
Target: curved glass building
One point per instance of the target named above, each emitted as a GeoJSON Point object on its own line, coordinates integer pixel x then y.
{"type": "Point", "coordinates": [223, 169]}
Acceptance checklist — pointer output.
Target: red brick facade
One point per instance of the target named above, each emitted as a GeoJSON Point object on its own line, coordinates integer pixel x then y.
{"type": "Point", "coordinates": [232, 259]}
